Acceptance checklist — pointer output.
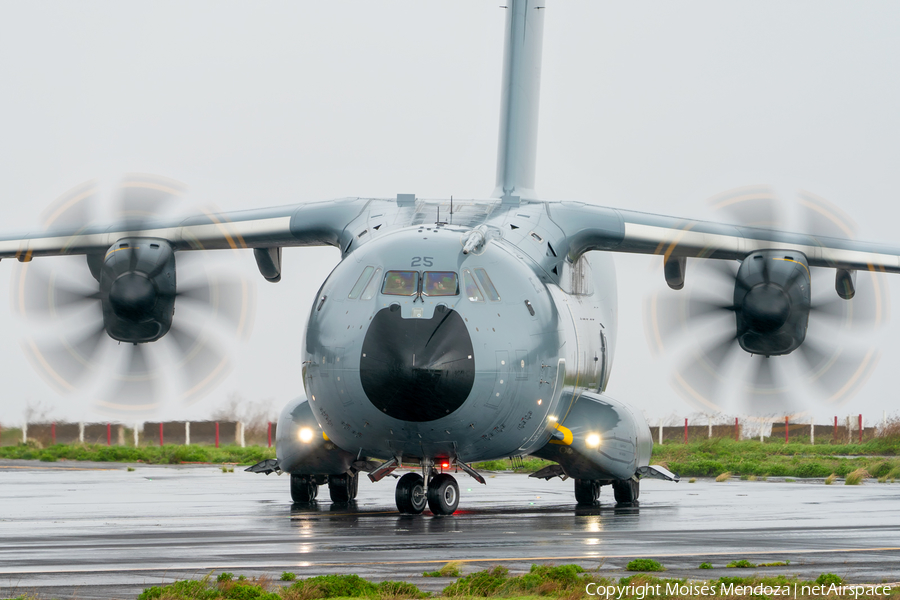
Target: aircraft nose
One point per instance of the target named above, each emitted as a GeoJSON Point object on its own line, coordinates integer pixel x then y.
{"type": "Point", "coordinates": [417, 369]}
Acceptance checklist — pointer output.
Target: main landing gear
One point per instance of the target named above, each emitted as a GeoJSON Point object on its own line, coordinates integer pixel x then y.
{"type": "Point", "coordinates": [342, 488]}
{"type": "Point", "coordinates": [626, 491]}
{"type": "Point", "coordinates": [304, 488]}
{"type": "Point", "coordinates": [441, 495]}
{"type": "Point", "coordinates": [587, 491]}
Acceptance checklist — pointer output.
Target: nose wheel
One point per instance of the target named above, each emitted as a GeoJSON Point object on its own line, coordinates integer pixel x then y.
{"type": "Point", "coordinates": [410, 494]}
{"type": "Point", "coordinates": [443, 494]}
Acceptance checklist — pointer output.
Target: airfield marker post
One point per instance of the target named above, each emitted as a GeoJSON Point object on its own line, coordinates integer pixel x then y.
{"type": "Point", "coordinates": [812, 431]}
{"type": "Point", "coordinates": [269, 433]}
{"type": "Point", "coordinates": [160, 434]}
{"type": "Point", "coordinates": [53, 433]}
{"type": "Point", "coordinates": [109, 434]}
{"type": "Point", "coordinates": [737, 431]}
{"type": "Point", "coordinates": [785, 430]}
{"type": "Point", "coordinates": [685, 430]}
{"type": "Point", "coordinates": [834, 434]}
{"type": "Point", "coordinates": [860, 429]}
{"type": "Point", "coordinates": [217, 434]}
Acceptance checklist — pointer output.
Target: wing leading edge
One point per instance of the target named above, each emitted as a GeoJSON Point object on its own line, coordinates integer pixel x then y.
{"type": "Point", "coordinates": [314, 224]}
{"type": "Point", "coordinates": [589, 227]}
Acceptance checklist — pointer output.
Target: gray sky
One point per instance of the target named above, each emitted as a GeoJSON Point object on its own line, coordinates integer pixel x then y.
{"type": "Point", "coordinates": [653, 107]}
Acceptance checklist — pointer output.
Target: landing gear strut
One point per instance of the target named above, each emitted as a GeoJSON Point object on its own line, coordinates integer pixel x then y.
{"type": "Point", "coordinates": [303, 488]}
{"type": "Point", "coordinates": [627, 491]}
{"type": "Point", "coordinates": [342, 488]}
{"type": "Point", "coordinates": [587, 491]}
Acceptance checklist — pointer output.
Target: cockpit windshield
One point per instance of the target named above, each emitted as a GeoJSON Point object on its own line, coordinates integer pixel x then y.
{"type": "Point", "coordinates": [401, 283]}
{"type": "Point", "coordinates": [440, 283]}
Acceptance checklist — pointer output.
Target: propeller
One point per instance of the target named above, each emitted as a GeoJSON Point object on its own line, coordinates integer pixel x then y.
{"type": "Point", "coordinates": [62, 298]}
{"type": "Point", "coordinates": [697, 324]}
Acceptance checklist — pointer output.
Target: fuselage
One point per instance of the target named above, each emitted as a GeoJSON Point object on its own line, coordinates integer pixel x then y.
{"type": "Point", "coordinates": [415, 349]}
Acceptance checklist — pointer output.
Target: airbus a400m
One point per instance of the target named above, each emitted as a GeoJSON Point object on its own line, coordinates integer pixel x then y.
{"type": "Point", "coordinates": [455, 331]}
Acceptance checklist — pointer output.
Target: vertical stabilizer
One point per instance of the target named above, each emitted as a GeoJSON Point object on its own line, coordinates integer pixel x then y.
{"type": "Point", "coordinates": [520, 99]}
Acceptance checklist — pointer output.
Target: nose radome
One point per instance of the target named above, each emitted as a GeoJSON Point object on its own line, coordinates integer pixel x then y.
{"type": "Point", "coordinates": [417, 369]}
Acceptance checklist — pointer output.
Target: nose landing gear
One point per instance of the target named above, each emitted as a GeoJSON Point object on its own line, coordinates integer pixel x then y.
{"type": "Point", "coordinates": [441, 494]}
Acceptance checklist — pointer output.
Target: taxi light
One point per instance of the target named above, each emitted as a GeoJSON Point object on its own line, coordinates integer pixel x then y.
{"type": "Point", "coordinates": [305, 434]}
{"type": "Point", "coordinates": [445, 465]}
{"type": "Point", "coordinates": [592, 440]}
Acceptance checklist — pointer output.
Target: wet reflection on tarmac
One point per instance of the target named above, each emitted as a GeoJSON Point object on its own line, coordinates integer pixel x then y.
{"type": "Point", "coordinates": [109, 533]}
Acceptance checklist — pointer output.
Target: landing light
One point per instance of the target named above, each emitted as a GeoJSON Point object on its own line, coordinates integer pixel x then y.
{"type": "Point", "coordinates": [445, 465]}
{"type": "Point", "coordinates": [305, 435]}
{"type": "Point", "coordinates": [592, 440]}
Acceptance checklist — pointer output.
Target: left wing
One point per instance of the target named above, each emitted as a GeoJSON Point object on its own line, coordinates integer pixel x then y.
{"type": "Point", "coordinates": [589, 227]}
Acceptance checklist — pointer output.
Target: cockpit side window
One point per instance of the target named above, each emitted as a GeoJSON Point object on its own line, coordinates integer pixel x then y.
{"type": "Point", "coordinates": [373, 285]}
{"type": "Point", "coordinates": [440, 283]}
{"type": "Point", "coordinates": [471, 287]}
{"type": "Point", "coordinates": [488, 285]}
{"type": "Point", "coordinates": [401, 283]}
{"type": "Point", "coordinates": [361, 282]}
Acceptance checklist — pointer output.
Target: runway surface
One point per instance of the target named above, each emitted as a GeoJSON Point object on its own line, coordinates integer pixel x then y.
{"type": "Point", "coordinates": [100, 531]}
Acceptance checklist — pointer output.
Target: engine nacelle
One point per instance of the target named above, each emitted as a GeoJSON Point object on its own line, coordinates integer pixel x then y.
{"type": "Point", "coordinates": [137, 289]}
{"type": "Point", "coordinates": [771, 302]}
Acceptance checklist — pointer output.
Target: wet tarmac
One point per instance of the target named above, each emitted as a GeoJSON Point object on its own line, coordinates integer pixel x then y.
{"type": "Point", "coordinates": [101, 531]}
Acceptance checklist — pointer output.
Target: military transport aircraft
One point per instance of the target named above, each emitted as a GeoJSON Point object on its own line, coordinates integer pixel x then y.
{"type": "Point", "coordinates": [461, 330]}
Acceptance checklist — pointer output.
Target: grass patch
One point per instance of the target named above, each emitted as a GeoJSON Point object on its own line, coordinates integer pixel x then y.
{"type": "Point", "coordinates": [740, 564]}
{"type": "Point", "coordinates": [644, 564]}
{"type": "Point", "coordinates": [723, 477]}
{"type": "Point", "coordinates": [287, 576]}
{"type": "Point", "coordinates": [451, 569]}
{"type": "Point", "coordinates": [542, 580]}
{"type": "Point", "coordinates": [158, 455]}
{"type": "Point", "coordinates": [856, 477]}
{"type": "Point", "coordinates": [830, 479]}
{"type": "Point", "coordinates": [775, 564]}
{"type": "Point", "coordinates": [710, 458]}
{"type": "Point", "coordinates": [563, 582]}
{"type": "Point", "coordinates": [705, 565]}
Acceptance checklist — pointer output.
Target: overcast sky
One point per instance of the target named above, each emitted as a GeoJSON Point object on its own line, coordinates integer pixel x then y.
{"type": "Point", "coordinates": [647, 106]}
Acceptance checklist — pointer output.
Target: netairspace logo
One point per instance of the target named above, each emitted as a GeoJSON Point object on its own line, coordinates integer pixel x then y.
{"type": "Point", "coordinates": [731, 589]}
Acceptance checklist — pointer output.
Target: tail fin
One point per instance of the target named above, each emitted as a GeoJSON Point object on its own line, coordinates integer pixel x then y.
{"type": "Point", "coordinates": [520, 99]}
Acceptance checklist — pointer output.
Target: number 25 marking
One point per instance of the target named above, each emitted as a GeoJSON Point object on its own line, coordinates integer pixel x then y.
{"type": "Point", "coordinates": [422, 261]}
